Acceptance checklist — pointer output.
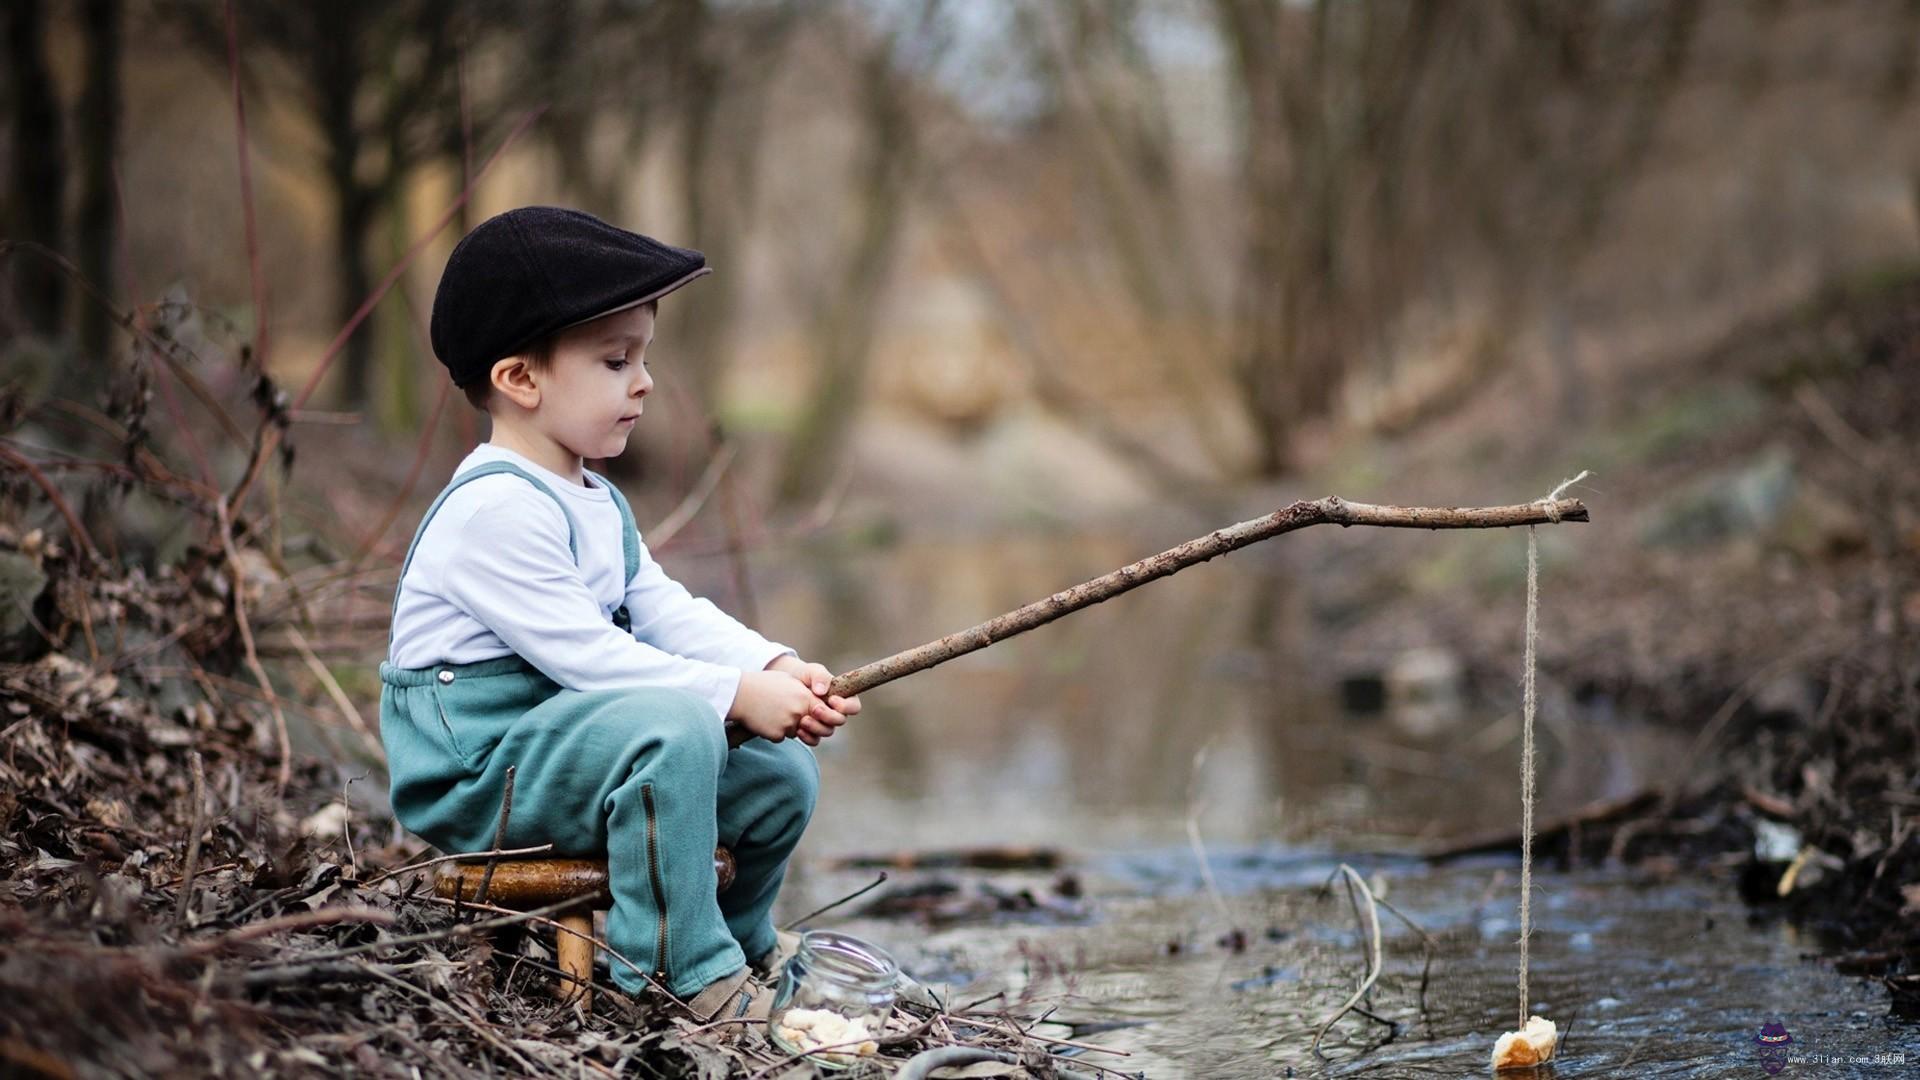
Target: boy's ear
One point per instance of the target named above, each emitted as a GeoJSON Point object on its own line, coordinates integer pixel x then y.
{"type": "Point", "coordinates": [513, 379]}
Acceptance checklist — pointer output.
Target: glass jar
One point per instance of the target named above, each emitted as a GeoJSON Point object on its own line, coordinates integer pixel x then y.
{"type": "Point", "coordinates": [837, 990]}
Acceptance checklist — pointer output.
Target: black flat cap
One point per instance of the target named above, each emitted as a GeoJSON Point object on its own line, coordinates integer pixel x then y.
{"type": "Point", "coordinates": [522, 275]}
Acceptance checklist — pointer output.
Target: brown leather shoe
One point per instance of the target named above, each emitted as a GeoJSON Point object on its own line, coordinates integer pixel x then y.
{"type": "Point", "coordinates": [768, 964]}
{"type": "Point", "coordinates": [738, 996]}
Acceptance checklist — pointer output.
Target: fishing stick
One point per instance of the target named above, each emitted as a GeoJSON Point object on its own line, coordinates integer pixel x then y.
{"type": "Point", "coordinates": [1331, 510]}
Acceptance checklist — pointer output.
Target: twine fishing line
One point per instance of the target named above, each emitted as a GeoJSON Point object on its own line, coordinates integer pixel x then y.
{"type": "Point", "coordinates": [1528, 702]}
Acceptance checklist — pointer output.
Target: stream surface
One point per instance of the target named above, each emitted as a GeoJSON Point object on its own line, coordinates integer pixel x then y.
{"type": "Point", "coordinates": [1644, 977]}
{"type": "Point", "coordinates": [1192, 716]}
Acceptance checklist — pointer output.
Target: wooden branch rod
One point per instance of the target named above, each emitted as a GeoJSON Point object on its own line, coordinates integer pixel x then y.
{"type": "Point", "coordinates": [1331, 510]}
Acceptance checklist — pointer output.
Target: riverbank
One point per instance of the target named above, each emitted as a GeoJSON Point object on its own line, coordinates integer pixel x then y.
{"type": "Point", "coordinates": [169, 907]}
{"type": "Point", "coordinates": [1751, 578]}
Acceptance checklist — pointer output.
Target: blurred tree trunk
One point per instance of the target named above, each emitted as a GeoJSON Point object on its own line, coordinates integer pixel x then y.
{"type": "Point", "coordinates": [570, 106]}
{"type": "Point", "coordinates": [1333, 242]}
{"type": "Point", "coordinates": [1389, 151]}
{"type": "Point", "coordinates": [99, 218]}
{"type": "Point", "coordinates": [1116, 113]}
{"type": "Point", "coordinates": [38, 174]}
{"type": "Point", "coordinates": [708, 69]}
{"type": "Point", "coordinates": [580, 85]}
{"type": "Point", "coordinates": [843, 332]}
{"type": "Point", "coordinates": [397, 326]}
{"type": "Point", "coordinates": [379, 78]}
{"type": "Point", "coordinates": [1326, 95]}
{"type": "Point", "coordinates": [707, 314]}
{"type": "Point", "coordinates": [1274, 383]}
{"type": "Point", "coordinates": [721, 94]}
{"type": "Point", "coordinates": [1896, 86]}
{"type": "Point", "coordinates": [334, 70]}
{"type": "Point", "coordinates": [1616, 72]}
{"type": "Point", "coordinates": [357, 47]}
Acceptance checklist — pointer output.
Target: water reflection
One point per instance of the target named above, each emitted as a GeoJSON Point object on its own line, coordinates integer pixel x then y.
{"type": "Point", "coordinates": [1202, 696]}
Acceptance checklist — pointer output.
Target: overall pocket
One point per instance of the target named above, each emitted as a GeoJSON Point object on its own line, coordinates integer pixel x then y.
{"type": "Point", "coordinates": [419, 742]}
{"type": "Point", "coordinates": [476, 709]}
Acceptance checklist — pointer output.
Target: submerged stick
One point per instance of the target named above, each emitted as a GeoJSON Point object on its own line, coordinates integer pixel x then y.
{"type": "Point", "coordinates": [1373, 968]}
{"type": "Point", "coordinates": [1331, 510]}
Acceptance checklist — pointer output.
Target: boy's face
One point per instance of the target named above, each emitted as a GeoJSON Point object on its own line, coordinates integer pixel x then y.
{"type": "Point", "coordinates": [590, 396]}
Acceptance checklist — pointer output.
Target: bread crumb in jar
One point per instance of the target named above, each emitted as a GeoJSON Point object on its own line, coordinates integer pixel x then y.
{"type": "Point", "coordinates": [811, 1029]}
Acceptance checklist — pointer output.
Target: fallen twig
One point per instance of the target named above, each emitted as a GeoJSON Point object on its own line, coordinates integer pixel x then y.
{"type": "Point", "coordinates": [1373, 973]}
{"type": "Point", "coordinates": [966, 858]}
{"type": "Point", "coordinates": [334, 692]}
{"type": "Point", "coordinates": [854, 895]}
{"type": "Point", "coordinates": [891, 1040]}
{"type": "Point", "coordinates": [540, 916]}
{"type": "Point", "coordinates": [195, 824]}
{"type": "Point", "coordinates": [1427, 948]}
{"type": "Point", "coordinates": [78, 531]}
{"type": "Point", "coordinates": [464, 856]}
{"type": "Point", "coordinates": [1603, 812]}
{"type": "Point", "coordinates": [663, 533]}
{"type": "Point", "coordinates": [456, 930]}
{"type": "Point", "coordinates": [379, 532]}
{"type": "Point", "coordinates": [304, 920]}
{"type": "Point", "coordinates": [234, 571]}
{"type": "Point", "coordinates": [499, 835]}
{"type": "Point", "coordinates": [1195, 806]}
{"type": "Point", "coordinates": [460, 1016]}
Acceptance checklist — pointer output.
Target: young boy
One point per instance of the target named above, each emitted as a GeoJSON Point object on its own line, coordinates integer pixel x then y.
{"type": "Point", "coordinates": [532, 629]}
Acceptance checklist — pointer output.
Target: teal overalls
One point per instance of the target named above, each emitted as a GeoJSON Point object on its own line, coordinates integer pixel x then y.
{"type": "Point", "coordinates": [641, 774]}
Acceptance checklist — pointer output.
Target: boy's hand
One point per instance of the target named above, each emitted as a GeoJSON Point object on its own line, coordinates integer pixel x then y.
{"type": "Point", "coordinates": [774, 705]}
{"type": "Point", "coordinates": [819, 680]}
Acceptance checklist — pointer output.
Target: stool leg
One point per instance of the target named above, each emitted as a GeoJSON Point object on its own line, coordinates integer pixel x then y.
{"type": "Point", "coordinates": [576, 958]}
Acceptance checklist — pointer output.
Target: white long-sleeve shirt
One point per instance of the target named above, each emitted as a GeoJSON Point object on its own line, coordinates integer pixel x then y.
{"type": "Point", "coordinates": [493, 576]}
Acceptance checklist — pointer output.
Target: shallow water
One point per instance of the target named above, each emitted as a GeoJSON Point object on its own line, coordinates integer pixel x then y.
{"type": "Point", "coordinates": [1644, 977]}
{"type": "Point", "coordinates": [1195, 708]}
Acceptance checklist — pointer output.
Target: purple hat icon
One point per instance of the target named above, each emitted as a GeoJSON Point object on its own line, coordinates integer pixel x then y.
{"type": "Point", "coordinates": [1773, 1041]}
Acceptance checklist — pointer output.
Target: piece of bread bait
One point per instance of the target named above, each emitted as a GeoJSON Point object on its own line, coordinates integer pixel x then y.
{"type": "Point", "coordinates": [1531, 1045]}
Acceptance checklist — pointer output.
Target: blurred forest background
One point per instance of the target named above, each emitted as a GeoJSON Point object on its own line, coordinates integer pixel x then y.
{"type": "Point", "coordinates": [1010, 292]}
{"type": "Point", "coordinates": [1208, 238]}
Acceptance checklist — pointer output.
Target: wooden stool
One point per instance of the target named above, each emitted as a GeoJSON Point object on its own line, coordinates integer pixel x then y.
{"type": "Point", "coordinates": [528, 884]}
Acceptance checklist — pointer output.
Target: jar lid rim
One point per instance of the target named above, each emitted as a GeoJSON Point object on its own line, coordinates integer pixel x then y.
{"type": "Point", "coordinates": [849, 957]}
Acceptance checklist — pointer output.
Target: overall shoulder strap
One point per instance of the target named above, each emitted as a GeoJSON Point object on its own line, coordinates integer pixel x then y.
{"type": "Point", "coordinates": [630, 533]}
{"type": "Point", "coordinates": [475, 473]}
